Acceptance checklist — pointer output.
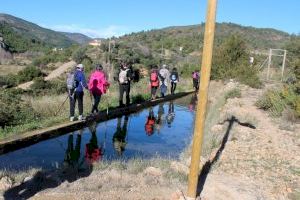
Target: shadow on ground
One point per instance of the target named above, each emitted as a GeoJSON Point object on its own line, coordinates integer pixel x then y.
{"type": "Point", "coordinates": [207, 166]}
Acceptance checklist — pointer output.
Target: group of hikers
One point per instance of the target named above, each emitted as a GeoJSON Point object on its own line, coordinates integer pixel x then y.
{"type": "Point", "coordinates": [98, 84]}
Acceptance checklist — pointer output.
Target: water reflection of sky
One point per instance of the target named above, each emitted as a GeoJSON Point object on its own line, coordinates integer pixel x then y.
{"type": "Point", "coordinates": [171, 134]}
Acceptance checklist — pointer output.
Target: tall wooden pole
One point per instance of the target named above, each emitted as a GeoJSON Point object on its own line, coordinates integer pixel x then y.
{"type": "Point", "coordinates": [202, 98]}
{"type": "Point", "coordinates": [283, 65]}
{"type": "Point", "coordinates": [269, 64]}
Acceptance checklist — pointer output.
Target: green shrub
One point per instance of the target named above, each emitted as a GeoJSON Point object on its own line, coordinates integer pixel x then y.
{"type": "Point", "coordinates": [28, 74]}
{"type": "Point", "coordinates": [231, 62]}
{"type": "Point", "coordinates": [79, 54]}
{"type": "Point", "coordinates": [276, 101]}
{"type": "Point", "coordinates": [13, 110]}
{"type": "Point", "coordinates": [40, 84]}
{"type": "Point", "coordinates": [234, 93]}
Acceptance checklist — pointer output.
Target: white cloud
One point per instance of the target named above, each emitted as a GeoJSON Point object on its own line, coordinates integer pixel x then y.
{"type": "Point", "coordinates": [112, 30]}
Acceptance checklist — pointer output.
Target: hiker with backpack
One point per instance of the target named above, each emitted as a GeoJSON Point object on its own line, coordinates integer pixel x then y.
{"type": "Point", "coordinates": [98, 85]}
{"type": "Point", "coordinates": [75, 83]}
{"type": "Point", "coordinates": [124, 78]}
{"type": "Point", "coordinates": [174, 80]}
{"type": "Point", "coordinates": [196, 79]}
{"type": "Point", "coordinates": [154, 81]}
{"type": "Point", "coordinates": [164, 76]}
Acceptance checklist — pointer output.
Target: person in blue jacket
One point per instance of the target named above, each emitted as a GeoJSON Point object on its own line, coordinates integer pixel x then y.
{"type": "Point", "coordinates": [77, 93]}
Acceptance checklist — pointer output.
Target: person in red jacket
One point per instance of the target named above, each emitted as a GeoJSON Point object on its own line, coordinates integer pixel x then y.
{"type": "Point", "coordinates": [154, 81]}
{"type": "Point", "coordinates": [98, 85]}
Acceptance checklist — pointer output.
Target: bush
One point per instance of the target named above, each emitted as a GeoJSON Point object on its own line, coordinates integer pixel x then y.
{"type": "Point", "coordinates": [40, 84]}
{"type": "Point", "coordinates": [28, 74]}
{"type": "Point", "coordinates": [276, 101]}
{"type": "Point", "coordinates": [79, 54]}
{"type": "Point", "coordinates": [13, 110]}
{"type": "Point", "coordinates": [231, 62]}
{"type": "Point", "coordinates": [234, 93]}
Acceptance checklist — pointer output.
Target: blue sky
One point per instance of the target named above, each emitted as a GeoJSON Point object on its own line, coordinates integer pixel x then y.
{"type": "Point", "coordinates": [99, 18]}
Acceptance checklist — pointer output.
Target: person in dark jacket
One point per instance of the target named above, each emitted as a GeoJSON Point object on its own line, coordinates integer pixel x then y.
{"type": "Point", "coordinates": [77, 93]}
{"type": "Point", "coordinates": [174, 80]}
{"type": "Point", "coordinates": [124, 78]}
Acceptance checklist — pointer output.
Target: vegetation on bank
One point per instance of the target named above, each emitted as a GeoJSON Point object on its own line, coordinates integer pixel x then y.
{"type": "Point", "coordinates": [286, 98]}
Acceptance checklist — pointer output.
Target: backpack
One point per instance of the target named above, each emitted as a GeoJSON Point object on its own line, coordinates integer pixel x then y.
{"type": "Point", "coordinates": [123, 76]}
{"type": "Point", "coordinates": [153, 76]}
{"type": "Point", "coordinates": [72, 83]}
{"type": "Point", "coordinates": [173, 77]}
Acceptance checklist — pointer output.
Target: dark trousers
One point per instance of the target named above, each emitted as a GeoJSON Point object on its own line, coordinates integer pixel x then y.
{"type": "Point", "coordinates": [77, 96]}
{"type": "Point", "coordinates": [124, 88]}
{"type": "Point", "coordinates": [96, 102]}
{"type": "Point", "coordinates": [196, 84]}
{"type": "Point", "coordinates": [173, 87]}
{"type": "Point", "coordinates": [153, 90]}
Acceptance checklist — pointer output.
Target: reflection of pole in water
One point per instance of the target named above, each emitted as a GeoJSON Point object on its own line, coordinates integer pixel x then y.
{"type": "Point", "coordinates": [119, 138]}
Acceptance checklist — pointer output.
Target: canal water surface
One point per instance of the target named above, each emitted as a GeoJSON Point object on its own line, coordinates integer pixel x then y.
{"type": "Point", "coordinates": [163, 130]}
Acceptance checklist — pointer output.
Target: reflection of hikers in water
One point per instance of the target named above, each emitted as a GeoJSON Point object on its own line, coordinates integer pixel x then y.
{"type": "Point", "coordinates": [119, 138]}
{"type": "Point", "coordinates": [92, 151]}
{"type": "Point", "coordinates": [160, 117]}
{"type": "Point", "coordinates": [149, 126]}
{"type": "Point", "coordinates": [72, 154]}
{"type": "Point", "coordinates": [171, 114]}
{"type": "Point", "coordinates": [193, 102]}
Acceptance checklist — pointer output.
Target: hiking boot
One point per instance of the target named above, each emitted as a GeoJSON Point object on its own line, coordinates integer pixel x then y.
{"type": "Point", "coordinates": [81, 118]}
{"type": "Point", "coordinates": [71, 119]}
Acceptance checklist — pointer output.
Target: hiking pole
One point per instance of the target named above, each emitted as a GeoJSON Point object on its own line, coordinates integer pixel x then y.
{"type": "Point", "coordinates": [61, 106]}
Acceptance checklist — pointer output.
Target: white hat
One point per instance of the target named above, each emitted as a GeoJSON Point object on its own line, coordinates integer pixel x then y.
{"type": "Point", "coordinates": [164, 66]}
{"type": "Point", "coordinates": [80, 66]}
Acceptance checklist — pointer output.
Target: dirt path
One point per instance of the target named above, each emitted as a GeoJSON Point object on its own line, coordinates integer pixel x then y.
{"type": "Point", "coordinates": [261, 163]}
{"type": "Point", "coordinates": [54, 74]}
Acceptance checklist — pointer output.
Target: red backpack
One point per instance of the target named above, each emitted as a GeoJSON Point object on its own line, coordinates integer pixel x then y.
{"type": "Point", "coordinates": [154, 79]}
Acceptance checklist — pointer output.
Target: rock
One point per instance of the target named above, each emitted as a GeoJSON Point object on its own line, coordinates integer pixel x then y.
{"type": "Point", "coordinates": [153, 171]}
{"type": "Point", "coordinates": [179, 167]}
{"type": "Point", "coordinates": [5, 183]}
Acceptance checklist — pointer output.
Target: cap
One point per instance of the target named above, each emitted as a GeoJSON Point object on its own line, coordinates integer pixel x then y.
{"type": "Point", "coordinates": [80, 66]}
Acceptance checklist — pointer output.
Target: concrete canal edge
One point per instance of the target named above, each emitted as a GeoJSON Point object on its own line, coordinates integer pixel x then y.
{"type": "Point", "coordinates": [26, 139]}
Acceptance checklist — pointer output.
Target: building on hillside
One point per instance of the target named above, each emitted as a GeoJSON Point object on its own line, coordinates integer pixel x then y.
{"type": "Point", "coordinates": [95, 42]}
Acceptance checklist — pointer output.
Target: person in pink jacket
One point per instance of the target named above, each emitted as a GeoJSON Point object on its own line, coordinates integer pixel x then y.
{"type": "Point", "coordinates": [98, 85]}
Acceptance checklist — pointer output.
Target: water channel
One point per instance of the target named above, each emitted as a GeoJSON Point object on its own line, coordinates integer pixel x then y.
{"type": "Point", "coordinates": [163, 130]}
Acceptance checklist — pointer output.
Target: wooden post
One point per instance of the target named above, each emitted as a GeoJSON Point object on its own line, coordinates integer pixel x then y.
{"type": "Point", "coordinates": [202, 98]}
{"type": "Point", "coordinates": [283, 65]}
{"type": "Point", "coordinates": [269, 64]}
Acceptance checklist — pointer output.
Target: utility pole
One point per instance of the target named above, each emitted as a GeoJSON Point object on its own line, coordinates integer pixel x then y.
{"type": "Point", "coordinates": [202, 98]}
{"type": "Point", "coordinates": [269, 64]}
{"type": "Point", "coordinates": [283, 65]}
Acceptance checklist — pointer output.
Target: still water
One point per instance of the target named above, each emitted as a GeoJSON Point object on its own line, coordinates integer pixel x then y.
{"type": "Point", "coordinates": [164, 130]}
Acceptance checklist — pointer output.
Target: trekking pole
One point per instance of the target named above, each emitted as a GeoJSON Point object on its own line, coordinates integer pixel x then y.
{"type": "Point", "coordinates": [61, 106]}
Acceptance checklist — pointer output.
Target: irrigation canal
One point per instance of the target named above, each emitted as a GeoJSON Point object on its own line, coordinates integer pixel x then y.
{"type": "Point", "coordinates": [163, 130]}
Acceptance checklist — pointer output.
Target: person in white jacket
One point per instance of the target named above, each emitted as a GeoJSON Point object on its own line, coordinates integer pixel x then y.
{"type": "Point", "coordinates": [164, 77]}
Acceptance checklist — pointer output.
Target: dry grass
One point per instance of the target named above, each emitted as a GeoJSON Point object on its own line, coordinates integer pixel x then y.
{"type": "Point", "coordinates": [10, 69]}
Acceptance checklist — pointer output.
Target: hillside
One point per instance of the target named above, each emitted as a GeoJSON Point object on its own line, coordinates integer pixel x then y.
{"type": "Point", "coordinates": [30, 34]}
{"type": "Point", "coordinates": [190, 37]}
{"type": "Point", "coordinates": [77, 37]}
